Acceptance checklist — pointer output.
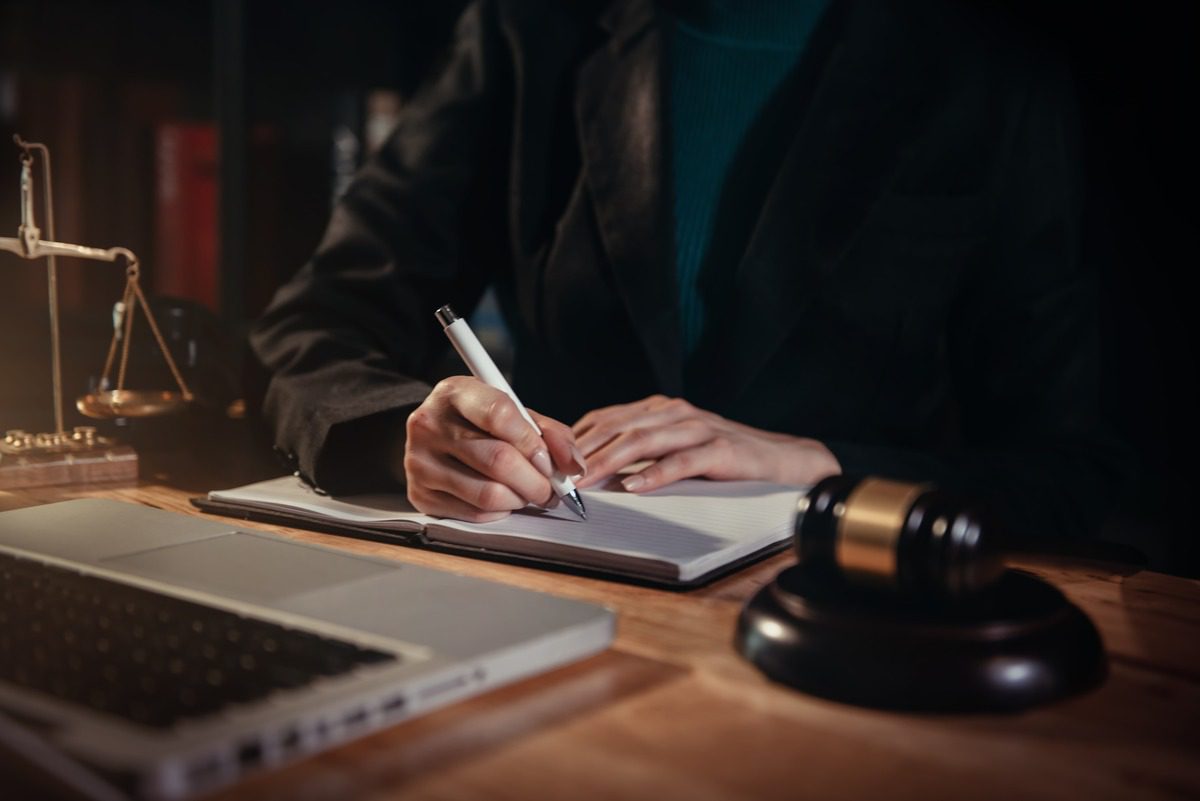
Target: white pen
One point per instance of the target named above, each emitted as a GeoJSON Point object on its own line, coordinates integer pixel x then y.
{"type": "Point", "coordinates": [483, 368]}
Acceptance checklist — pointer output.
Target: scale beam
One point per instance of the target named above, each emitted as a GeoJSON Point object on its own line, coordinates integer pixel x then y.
{"type": "Point", "coordinates": [61, 457]}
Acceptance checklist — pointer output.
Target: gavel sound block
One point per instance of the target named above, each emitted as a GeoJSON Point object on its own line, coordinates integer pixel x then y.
{"type": "Point", "coordinates": [900, 601]}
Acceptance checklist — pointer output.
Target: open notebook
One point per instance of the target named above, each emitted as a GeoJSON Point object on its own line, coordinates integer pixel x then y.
{"type": "Point", "coordinates": [684, 534]}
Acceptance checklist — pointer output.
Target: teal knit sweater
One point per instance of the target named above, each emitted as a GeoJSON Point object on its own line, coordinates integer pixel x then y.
{"type": "Point", "coordinates": [726, 58]}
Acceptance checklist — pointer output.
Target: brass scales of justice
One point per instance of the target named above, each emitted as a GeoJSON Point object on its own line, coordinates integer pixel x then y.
{"type": "Point", "coordinates": [81, 455]}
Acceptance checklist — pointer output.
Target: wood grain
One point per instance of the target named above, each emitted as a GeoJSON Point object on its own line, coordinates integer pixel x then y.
{"type": "Point", "coordinates": [671, 711]}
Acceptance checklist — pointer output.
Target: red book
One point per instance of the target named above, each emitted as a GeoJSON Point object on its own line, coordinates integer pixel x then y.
{"type": "Point", "coordinates": [185, 251]}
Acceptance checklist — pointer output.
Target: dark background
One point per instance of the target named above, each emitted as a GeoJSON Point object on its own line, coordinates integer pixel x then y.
{"type": "Point", "coordinates": [93, 79]}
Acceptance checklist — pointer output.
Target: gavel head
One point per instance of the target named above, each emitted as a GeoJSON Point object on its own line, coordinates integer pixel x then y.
{"type": "Point", "coordinates": [891, 535]}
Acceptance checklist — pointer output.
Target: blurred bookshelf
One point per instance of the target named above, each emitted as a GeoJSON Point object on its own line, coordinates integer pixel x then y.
{"type": "Point", "coordinates": [208, 136]}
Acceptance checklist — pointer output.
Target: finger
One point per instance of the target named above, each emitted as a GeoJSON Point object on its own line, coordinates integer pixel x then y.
{"type": "Point", "coordinates": [639, 444]}
{"type": "Point", "coordinates": [655, 412]}
{"type": "Point", "coordinates": [439, 472]}
{"type": "Point", "coordinates": [495, 413]}
{"type": "Point", "coordinates": [482, 462]}
{"type": "Point", "coordinates": [446, 452]}
{"type": "Point", "coordinates": [561, 443]}
{"type": "Point", "coordinates": [598, 416]}
{"type": "Point", "coordinates": [606, 416]}
{"type": "Point", "coordinates": [713, 459]}
{"type": "Point", "coordinates": [446, 475]}
{"type": "Point", "coordinates": [441, 504]}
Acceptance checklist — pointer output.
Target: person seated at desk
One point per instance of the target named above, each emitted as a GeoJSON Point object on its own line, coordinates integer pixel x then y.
{"type": "Point", "coordinates": [743, 239]}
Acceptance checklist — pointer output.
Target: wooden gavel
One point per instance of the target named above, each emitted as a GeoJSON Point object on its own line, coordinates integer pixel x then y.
{"type": "Point", "coordinates": [891, 535]}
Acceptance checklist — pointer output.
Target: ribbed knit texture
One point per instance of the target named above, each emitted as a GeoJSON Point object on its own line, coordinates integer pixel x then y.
{"type": "Point", "coordinates": [727, 58]}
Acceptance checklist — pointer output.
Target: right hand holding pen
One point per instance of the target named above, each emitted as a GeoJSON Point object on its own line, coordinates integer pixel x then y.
{"type": "Point", "coordinates": [470, 455]}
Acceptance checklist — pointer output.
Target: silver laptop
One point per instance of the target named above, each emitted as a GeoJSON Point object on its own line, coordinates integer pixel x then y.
{"type": "Point", "coordinates": [173, 654]}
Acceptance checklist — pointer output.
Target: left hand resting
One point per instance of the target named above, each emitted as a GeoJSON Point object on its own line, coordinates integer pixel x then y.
{"type": "Point", "coordinates": [688, 442]}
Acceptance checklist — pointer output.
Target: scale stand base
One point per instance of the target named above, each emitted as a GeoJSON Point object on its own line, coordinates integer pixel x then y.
{"type": "Point", "coordinates": [1018, 644]}
{"type": "Point", "coordinates": [79, 457]}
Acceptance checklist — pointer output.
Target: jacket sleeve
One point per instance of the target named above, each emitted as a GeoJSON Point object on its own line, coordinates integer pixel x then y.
{"type": "Point", "coordinates": [351, 340]}
{"type": "Point", "coordinates": [1023, 346]}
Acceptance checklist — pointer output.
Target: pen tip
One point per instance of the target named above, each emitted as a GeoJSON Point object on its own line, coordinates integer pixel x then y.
{"type": "Point", "coordinates": [576, 503]}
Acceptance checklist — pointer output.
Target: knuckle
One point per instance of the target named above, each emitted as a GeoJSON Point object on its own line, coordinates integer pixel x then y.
{"type": "Point", "coordinates": [414, 465]}
{"type": "Point", "coordinates": [528, 441]}
{"type": "Point", "coordinates": [491, 496]}
{"type": "Point", "coordinates": [417, 497]}
{"type": "Point", "coordinates": [501, 459]}
{"type": "Point", "coordinates": [687, 461]}
{"type": "Point", "coordinates": [679, 405]}
{"type": "Point", "coordinates": [638, 436]}
{"type": "Point", "coordinates": [446, 387]}
{"type": "Point", "coordinates": [725, 447]}
{"type": "Point", "coordinates": [499, 413]}
{"type": "Point", "coordinates": [420, 420]}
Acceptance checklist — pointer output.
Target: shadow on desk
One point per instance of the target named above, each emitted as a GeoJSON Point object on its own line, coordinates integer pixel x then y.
{"type": "Point", "coordinates": [200, 450]}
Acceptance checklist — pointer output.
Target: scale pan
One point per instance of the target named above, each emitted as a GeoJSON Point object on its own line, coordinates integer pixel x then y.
{"type": "Point", "coordinates": [130, 403]}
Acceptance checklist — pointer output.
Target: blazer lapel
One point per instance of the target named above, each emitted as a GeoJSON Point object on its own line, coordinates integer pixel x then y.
{"type": "Point", "coordinates": [860, 106]}
{"type": "Point", "coordinates": [620, 112]}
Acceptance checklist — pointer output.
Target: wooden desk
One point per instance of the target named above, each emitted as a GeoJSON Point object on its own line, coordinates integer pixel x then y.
{"type": "Point", "coordinates": [672, 712]}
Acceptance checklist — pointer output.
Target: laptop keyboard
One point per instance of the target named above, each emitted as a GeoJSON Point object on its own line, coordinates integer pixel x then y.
{"type": "Point", "coordinates": [145, 657]}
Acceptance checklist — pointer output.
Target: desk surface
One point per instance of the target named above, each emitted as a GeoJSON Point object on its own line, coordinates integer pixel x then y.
{"type": "Point", "coordinates": [671, 711]}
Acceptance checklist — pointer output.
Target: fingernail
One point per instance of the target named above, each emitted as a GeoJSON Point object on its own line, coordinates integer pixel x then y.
{"type": "Point", "coordinates": [580, 464]}
{"type": "Point", "coordinates": [541, 460]}
{"type": "Point", "coordinates": [633, 483]}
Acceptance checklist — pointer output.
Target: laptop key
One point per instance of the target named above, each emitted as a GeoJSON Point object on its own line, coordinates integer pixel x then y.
{"type": "Point", "coordinates": [146, 657]}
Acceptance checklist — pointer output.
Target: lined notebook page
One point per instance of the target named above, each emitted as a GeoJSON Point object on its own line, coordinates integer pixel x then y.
{"type": "Point", "coordinates": [695, 525]}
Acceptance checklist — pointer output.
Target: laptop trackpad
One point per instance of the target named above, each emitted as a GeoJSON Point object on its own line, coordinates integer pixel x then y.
{"type": "Point", "coordinates": [247, 567]}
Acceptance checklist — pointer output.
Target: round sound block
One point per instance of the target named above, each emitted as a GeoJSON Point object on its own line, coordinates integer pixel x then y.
{"type": "Point", "coordinates": [1017, 644]}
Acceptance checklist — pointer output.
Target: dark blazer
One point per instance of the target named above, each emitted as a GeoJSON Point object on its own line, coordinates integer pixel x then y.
{"type": "Point", "coordinates": [909, 293]}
